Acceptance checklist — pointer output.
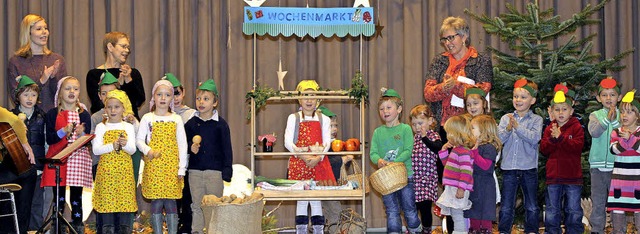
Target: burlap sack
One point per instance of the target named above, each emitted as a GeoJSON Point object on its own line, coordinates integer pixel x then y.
{"type": "Point", "coordinates": [234, 218]}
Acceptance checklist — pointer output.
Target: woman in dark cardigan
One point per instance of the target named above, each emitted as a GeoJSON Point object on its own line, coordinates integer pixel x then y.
{"type": "Point", "coordinates": [116, 51]}
{"type": "Point", "coordinates": [450, 74]}
{"type": "Point", "coordinates": [35, 60]}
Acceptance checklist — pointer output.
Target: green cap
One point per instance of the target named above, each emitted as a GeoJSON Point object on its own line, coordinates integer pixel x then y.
{"type": "Point", "coordinates": [209, 85]}
{"type": "Point", "coordinates": [390, 93]}
{"type": "Point", "coordinates": [326, 111]}
{"type": "Point", "coordinates": [108, 78]}
{"type": "Point", "coordinates": [474, 90]}
{"type": "Point", "coordinates": [23, 81]}
{"type": "Point", "coordinates": [173, 79]}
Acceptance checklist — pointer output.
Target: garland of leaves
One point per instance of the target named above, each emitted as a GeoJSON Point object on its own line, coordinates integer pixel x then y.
{"type": "Point", "coordinates": [359, 90]}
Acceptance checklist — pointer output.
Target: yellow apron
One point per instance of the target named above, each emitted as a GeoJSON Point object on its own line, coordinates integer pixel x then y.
{"type": "Point", "coordinates": [160, 176]}
{"type": "Point", "coordinates": [114, 189]}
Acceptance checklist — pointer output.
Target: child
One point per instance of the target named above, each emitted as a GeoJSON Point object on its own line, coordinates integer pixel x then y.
{"type": "Point", "coordinates": [393, 142]}
{"type": "Point", "coordinates": [332, 209]}
{"type": "Point", "coordinates": [601, 123]}
{"type": "Point", "coordinates": [475, 102]}
{"type": "Point", "coordinates": [306, 128]}
{"type": "Point", "coordinates": [483, 196]}
{"type": "Point", "coordinates": [162, 140]}
{"type": "Point", "coordinates": [185, 112]}
{"type": "Point", "coordinates": [520, 132]}
{"type": "Point", "coordinates": [27, 98]}
{"type": "Point", "coordinates": [64, 124]}
{"type": "Point", "coordinates": [423, 162]}
{"type": "Point", "coordinates": [108, 82]}
{"type": "Point", "coordinates": [114, 196]}
{"type": "Point", "coordinates": [182, 110]}
{"type": "Point", "coordinates": [457, 177]}
{"type": "Point", "coordinates": [562, 143]}
{"type": "Point", "coordinates": [209, 161]}
{"type": "Point", "coordinates": [625, 186]}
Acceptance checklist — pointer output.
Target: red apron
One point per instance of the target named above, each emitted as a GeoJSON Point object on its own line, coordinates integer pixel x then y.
{"type": "Point", "coordinates": [49, 174]}
{"type": "Point", "coordinates": [309, 133]}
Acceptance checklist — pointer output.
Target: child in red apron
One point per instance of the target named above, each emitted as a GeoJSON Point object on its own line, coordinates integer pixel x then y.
{"type": "Point", "coordinates": [65, 123]}
{"type": "Point", "coordinates": [305, 129]}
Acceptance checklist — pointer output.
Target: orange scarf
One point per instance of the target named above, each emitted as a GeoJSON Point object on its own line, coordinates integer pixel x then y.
{"type": "Point", "coordinates": [456, 67]}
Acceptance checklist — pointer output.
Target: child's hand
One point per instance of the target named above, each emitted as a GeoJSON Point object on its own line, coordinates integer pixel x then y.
{"type": "Point", "coordinates": [551, 115]}
{"type": "Point", "coordinates": [476, 145]}
{"type": "Point", "coordinates": [153, 154]}
{"type": "Point", "coordinates": [79, 129]}
{"type": "Point", "coordinates": [555, 130]}
{"type": "Point", "coordinates": [195, 147]}
{"type": "Point", "coordinates": [510, 124]}
{"type": "Point", "coordinates": [460, 193]}
{"type": "Point", "coordinates": [312, 161]}
{"type": "Point", "coordinates": [68, 129]}
{"type": "Point", "coordinates": [382, 163]}
{"type": "Point", "coordinates": [625, 134]}
{"type": "Point", "coordinates": [513, 121]}
{"type": "Point", "coordinates": [447, 146]}
{"type": "Point", "coordinates": [612, 114]}
{"type": "Point", "coordinates": [347, 158]}
{"type": "Point", "coordinates": [130, 118]}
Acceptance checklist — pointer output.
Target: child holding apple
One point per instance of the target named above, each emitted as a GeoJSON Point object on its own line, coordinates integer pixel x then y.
{"type": "Point", "coordinates": [308, 130]}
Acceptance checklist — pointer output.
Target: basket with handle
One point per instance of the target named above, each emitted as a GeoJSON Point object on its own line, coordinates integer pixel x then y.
{"type": "Point", "coordinates": [356, 175]}
{"type": "Point", "coordinates": [390, 178]}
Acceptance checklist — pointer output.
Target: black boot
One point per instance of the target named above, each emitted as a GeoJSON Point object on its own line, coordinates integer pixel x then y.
{"type": "Point", "coordinates": [302, 224]}
{"type": "Point", "coordinates": [318, 224]}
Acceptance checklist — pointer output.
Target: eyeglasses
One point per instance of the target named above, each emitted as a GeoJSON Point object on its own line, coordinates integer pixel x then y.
{"type": "Point", "coordinates": [448, 38]}
{"type": "Point", "coordinates": [127, 47]}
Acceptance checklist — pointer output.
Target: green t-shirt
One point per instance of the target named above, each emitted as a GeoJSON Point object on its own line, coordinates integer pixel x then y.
{"type": "Point", "coordinates": [393, 144]}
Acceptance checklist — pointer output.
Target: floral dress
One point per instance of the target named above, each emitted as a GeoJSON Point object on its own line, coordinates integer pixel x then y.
{"type": "Point", "coordinates": [309, 133]}
{"type": "Point", "coordinates": [115, 187]}
{"type": "Point", "coordinates": [160, 177]}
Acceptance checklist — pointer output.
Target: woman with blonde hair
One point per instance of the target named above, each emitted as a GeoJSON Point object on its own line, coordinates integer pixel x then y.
{"type": "Point", "coordinates": [35, 60]}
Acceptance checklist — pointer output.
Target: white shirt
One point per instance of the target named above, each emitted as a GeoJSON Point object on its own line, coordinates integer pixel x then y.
{"type": "Point", "coordinates": [100, 148]}
{"type": "Point", "coordinates": [291, 122]}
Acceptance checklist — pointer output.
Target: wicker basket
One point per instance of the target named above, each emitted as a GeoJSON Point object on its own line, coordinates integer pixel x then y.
{"type": "Point", "coordinates": [390, 178]}
{"type": "Point", "coordinates": [355, 176]}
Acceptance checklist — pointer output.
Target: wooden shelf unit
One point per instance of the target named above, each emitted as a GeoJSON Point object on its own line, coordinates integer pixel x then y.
{"type": "Point", "coordinates": [273, 195]}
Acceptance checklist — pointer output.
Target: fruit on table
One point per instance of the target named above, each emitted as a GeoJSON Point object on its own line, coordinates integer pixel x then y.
{"type": "Point", "coordinates": [337, 145]}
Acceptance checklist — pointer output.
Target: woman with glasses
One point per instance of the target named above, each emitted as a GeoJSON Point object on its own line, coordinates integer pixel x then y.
{"type": "Point", "coordinates": [459, 67]}
{"type": "Point", "coordinates": [116, 51]}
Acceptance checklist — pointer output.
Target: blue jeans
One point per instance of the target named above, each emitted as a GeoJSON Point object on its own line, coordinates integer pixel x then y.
{"type": "Point", "coordinates": [563, 197]}
{"type": "Point", "coordinates": [405, 199]}
{"type": "Point", "coordinates": [511, 181]}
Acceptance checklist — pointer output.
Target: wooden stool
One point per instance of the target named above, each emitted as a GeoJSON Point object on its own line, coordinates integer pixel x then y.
{"type": "Point", "coordinates": [9, 189]}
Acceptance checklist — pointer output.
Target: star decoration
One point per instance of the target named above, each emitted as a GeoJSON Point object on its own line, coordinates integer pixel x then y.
{"type": "Point", "coordinates": [77, 215]}
{"type": "Point", "coordinates": [61, 198]}
{"type": "Point", "coordinates": [281, 75]}
{"type": "Point", "coordinates": [74, 203]}
{"type": "Point", "coordinates": [357, 3]}
{"type": "Point", "coordinates": [255, 3]}
{"type": "Point", "coordinates": [379, 30]}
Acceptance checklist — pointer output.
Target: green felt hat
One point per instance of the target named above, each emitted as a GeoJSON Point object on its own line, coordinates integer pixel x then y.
{"type": "Point", "coordinates": [524, 84]}
{"type": "Point", "coordinates": [209, 85]}
{"type": "Point", "coordinates": [608, 83]}
{"type": "Point", "coordinates": [23, 81]}
{"type": "Point", "coordinates": [173, 79]}
{"type": "Point", "coordinates": [391, 93]}
{"type": "Point", "coordinates": [474, 90]}
{"type": "Point", "coordinates": [326, 111]}
{"type": "Point", "coordinates": [108, 78]}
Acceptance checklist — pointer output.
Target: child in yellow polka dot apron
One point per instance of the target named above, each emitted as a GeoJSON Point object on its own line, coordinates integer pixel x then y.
{"type": "Point", "coordinates": [162, 140]}
{"type": "Point", "coordinates": [114, 196]}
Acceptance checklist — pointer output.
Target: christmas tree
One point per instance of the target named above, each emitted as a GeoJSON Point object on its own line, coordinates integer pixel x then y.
{"type": "Point", "coordinates": [530, 36]}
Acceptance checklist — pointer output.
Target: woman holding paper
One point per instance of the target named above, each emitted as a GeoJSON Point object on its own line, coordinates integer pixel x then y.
{"type": "Point", "coordinates": [451, 73]}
